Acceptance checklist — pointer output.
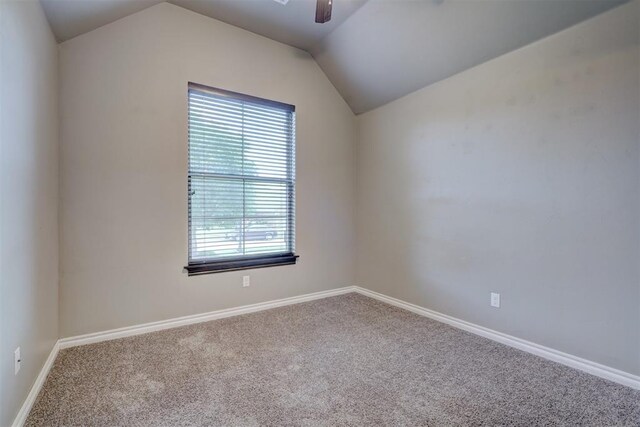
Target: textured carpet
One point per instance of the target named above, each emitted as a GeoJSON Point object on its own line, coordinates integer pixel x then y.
{"type": "Point", "coordinates": [346, 360]}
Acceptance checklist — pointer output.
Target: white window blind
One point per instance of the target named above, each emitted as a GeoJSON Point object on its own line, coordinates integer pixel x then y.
{"type": "Point", "coordinates": [241, 177]}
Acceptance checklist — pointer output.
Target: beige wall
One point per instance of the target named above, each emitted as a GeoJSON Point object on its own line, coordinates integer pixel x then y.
{"type": "Point", "coordinates": [28, 198]}
{"type": "Point", "coordinates": [520, 176]}
{"type": "Point", "coordinates": [124, 168]}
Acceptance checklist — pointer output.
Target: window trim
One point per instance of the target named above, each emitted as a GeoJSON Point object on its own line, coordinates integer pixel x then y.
{"type": "Point", "coordinates": [195, 268]}
{"type": "Point", "coordinates": [241, 96]}
{"type": "Point", "coordinates": [233, 264]}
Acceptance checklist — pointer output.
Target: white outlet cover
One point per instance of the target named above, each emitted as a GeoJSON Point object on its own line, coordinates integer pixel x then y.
{"type": "Point", "coordinates": [495, 300]}
{"type": "Point", "coordinates": [246, 281]}
{"type": "Point", "coordinates": [16, 361]}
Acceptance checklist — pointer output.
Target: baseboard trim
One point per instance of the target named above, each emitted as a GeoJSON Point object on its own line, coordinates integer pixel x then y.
{"type": "Point", "coordinates": [587, 366]}
{"type": "Point", "coordinates": [590, 367]}
{"type": "Point", "coordinates": [23, 413]}
{"type": "Point", "coordinates": [129, 331]}
{"type": "Point", "coordinates": [197, 318]}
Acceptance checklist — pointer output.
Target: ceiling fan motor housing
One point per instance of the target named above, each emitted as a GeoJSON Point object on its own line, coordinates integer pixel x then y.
{"type": "Point", "coordinates": [323, 11]}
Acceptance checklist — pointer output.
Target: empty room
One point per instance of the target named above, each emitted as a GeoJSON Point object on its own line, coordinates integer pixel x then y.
{"type": "Point", "coordinates": [319, 213]}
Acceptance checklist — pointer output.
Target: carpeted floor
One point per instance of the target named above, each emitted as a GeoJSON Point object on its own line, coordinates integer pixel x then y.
{"type": "Point", "coordinates": [346, 360]}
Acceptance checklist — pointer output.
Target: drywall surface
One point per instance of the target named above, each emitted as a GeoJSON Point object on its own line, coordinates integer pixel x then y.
{"type": "Point", "coordinates": [28, 198]}
{"type": "Point", "coordinates": [124, 168]}
{"type": "Point", "coordinates": [520, 176]}
{"type": "Point", "coordinates": [388, 49]}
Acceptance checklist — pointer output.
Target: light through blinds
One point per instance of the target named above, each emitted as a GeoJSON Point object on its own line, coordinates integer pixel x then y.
{"type": "Point", "coordinates": [241, 181]}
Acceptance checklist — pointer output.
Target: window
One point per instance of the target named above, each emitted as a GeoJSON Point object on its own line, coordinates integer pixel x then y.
{"type": "Point", "coordinates": [241, 181]}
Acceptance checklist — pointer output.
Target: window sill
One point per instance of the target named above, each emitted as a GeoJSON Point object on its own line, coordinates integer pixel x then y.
{"type": "Point", "coordinates": [240, 264]}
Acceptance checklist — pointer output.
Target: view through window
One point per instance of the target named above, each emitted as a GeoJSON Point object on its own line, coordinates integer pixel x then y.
{"type": "Point", "coordinates": [241, 179]}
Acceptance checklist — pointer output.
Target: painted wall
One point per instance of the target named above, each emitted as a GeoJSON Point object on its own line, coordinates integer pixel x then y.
{"type": "Point", "coordinates": [28, 198]}
{"type": "Point", "coordinates": [124, 168]}
{"type": "Point", "coordinates": [388, 49]}
{"type": "Point", "coordinates": [520, 176]}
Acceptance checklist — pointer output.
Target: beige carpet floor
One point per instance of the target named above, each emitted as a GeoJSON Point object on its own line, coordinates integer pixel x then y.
{"type": "Point", "coordinates": [346, 360]}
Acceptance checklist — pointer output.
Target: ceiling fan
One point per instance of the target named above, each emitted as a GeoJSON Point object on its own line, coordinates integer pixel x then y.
{"type": "Point", "coordinates": [323, 11]}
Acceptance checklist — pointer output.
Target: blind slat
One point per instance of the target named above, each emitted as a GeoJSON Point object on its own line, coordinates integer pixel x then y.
{"type": "Point", "coordinates": [241, 177]}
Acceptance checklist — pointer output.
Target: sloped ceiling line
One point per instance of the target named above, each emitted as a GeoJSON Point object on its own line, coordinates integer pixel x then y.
{"type": "Point", "coordinates": [373, 51]}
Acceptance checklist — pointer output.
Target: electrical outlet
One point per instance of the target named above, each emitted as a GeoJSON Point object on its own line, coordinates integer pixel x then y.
{"type": "Point", "coordinates": [246, 281]}
{"type": "Point", "coordinates": [495, 300]}
{"type": "Point", "coordinates": [16, 361]}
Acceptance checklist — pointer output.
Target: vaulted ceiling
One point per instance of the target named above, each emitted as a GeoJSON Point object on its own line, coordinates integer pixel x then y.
{"type": "Point", "coordinates": [373, 51]}
{"type": "Point", "coordinates": [388, 49]}
{"type": "Point", "coordinates": [291, 23]}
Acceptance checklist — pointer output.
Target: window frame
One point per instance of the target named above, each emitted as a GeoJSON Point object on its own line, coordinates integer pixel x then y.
{"type": "Point", "coordinates": [242, 262]}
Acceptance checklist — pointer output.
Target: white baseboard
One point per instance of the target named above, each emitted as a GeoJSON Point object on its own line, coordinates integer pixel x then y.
{"type": "Point", "coordinates": [587, 366]}
{"type": "Point", "coordinates": [196, 318]}
{"type": "Point", "coordinates": [593, 368]}
{"type": "Point", "coordinates": [23, 413]}
{"type": "Point", "coordinates": [157, 326]}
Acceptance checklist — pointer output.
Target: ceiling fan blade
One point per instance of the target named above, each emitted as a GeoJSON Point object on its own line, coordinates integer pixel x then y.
{"type": "Point", "coordinates": [323, 11]}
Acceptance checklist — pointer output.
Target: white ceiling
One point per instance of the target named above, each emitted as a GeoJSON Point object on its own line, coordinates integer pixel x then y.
{"type": "Point", "coordinates": [373, 51]}
{"type": "Point", "coordinates": [388, 49]}
{"type": "Point", "coordinates": [292, 24]}
{"type": "Point", "coordinates": [70, 18]}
